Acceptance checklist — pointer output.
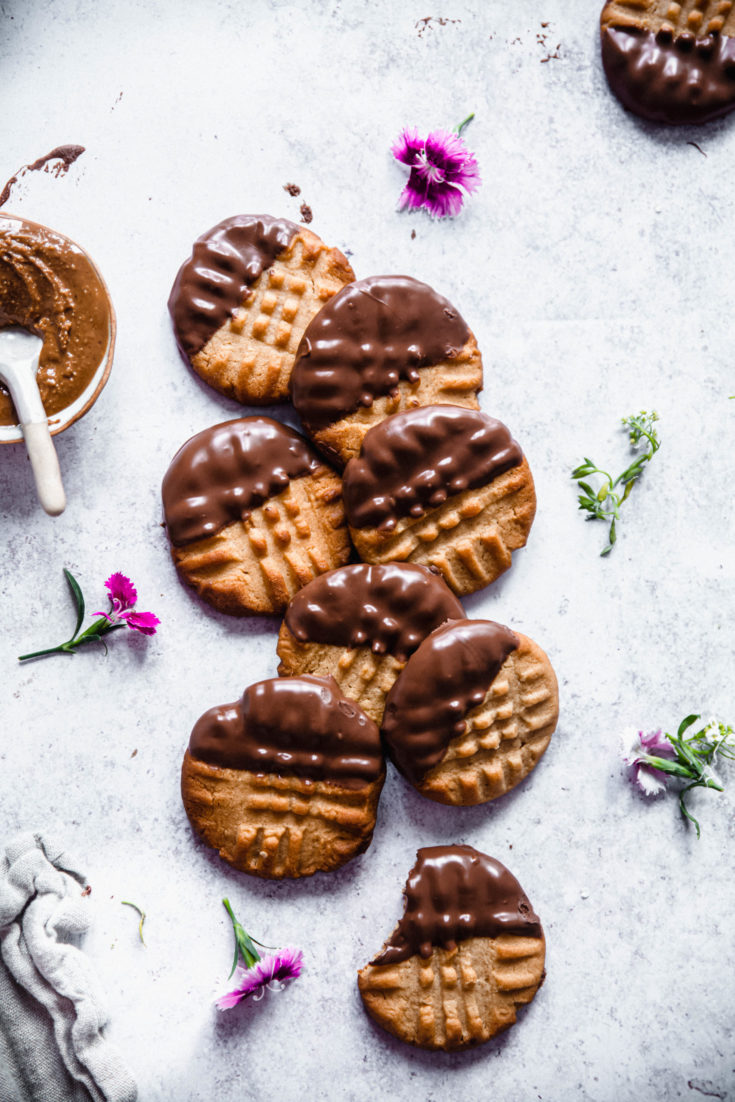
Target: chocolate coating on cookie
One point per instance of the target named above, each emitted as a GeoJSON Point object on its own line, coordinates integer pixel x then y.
{"type": "Point", "coordinates": [444, 679]}
{"type": "Point", "coordinates": [454, 893]}
{"type": "Point", "coordinates": [390, 608]}
{"type": "Point", "coordinates": [371, 335]}
{"type": "Point", "coordinates": [292, 726]}
{"type": "Point", "coordinates": [49, 286]}
{"type": "Point", "coordinates": [225, 262]}
{"type": "Point", "coordinates": [222, 473]}
{"type": "Point", "coordinates": [414, 461]}
{"type": "Point", "coordinates": [670, 78]}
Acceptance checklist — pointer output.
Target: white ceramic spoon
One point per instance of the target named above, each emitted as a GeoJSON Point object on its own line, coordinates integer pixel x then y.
{"type": "Point", "coordinates": [19, 352]}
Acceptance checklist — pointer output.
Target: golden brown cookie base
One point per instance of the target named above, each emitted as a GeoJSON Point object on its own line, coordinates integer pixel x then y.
{"type": "Point", "coordinates": [256, 565]}
{"type": "Point", "coordinates": [699, 17]}
{"type": "Point", "coordinates": [505, 735]}
{"type": "Point", "coordinates": [454, 382]}
{"type": "Point", "coordinates": [363, 676]}
{"type": "Point", "coordinates": [469, 538]}
{"type": "Point", "coordinates": [277, 827]}
{"type": "Point", "coordinates": [455, 998]}
{"type": "Point", "coordinates": [250, 358]}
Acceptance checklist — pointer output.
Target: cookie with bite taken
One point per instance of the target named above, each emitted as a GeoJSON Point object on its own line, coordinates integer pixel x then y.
{"type": "Point", "coordinates": [467, 953]}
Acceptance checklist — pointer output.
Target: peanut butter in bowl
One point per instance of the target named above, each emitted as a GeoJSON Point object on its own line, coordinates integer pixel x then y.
{"type": "Point", "coordinates": [49, 286]}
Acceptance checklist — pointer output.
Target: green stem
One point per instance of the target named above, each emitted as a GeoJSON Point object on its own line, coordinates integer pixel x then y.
{"type": "Point", "coordinates": [94, 631]}
{"type": "Point", "coordinates": [464, 123]}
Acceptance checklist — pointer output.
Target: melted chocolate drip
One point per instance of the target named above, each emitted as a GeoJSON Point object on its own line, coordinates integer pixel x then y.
{"type": "Point", "coordinates": [454, 893]}
{"type": "Point", "coordinates": [670, 79]}
{"type": "Point", "coordinates": [414, 461]}
{"type": "Point", "coordinates": [372, 334]}
{"type": "Point", "coordinates": [66, 155]}
{"type": "Point", "coordinates": [390, 608]}
{"type": "Point", "coordinates": [292, 726]}
{"type": "Point", "coordinates": [225, 262]}
{"type": "Point", "coordinates": [448, 675]}
{"type": "Point", "coordinates": [222, 473]}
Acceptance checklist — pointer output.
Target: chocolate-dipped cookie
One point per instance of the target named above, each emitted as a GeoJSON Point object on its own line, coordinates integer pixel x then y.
{"type": "Point", "coordinates": [671, 62]}
{"type": "Point", "coordinates": [381, 345]}
{"type": "Point", "coordinates": [252, 515]}
{"type": "Point", "coordinates": [467, 952]}
{"type": "Point", "coordinates": [360, 623]}
{"type": "Point", "coordinates": [284, 782]}
{"type": "Point", "coordinates": [472, 712]}
{"type": "Point", "coordinates": [241, 303]}
{"type": "Point", "coordinates": [444, 487]}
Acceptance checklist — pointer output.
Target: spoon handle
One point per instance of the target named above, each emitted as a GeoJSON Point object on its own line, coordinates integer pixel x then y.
{"type": "Point", "coordinates": [45, 466]}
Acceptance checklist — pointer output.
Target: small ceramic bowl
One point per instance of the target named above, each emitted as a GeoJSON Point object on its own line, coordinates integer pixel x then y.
{"type": "Point", "coordinates": [12, 434]}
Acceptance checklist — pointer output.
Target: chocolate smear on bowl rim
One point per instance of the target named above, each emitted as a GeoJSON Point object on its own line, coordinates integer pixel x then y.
{"type": "Point", "coordinates": [217, 279]}
{"type": "Point", "coordinates": [444, 679]}
{"type": "Point", "coordinates": [454, 893]}
{"type": "Point", "coordinates": [292, 726]}
{"type": "Point", "coordinates": [389, 607]}
{"type": "Point", "coordinates": [221, 474]}
{"type": "Point", "coordinates": [372, 334]}
{"type": "Point", "coordinates": [414, 461]}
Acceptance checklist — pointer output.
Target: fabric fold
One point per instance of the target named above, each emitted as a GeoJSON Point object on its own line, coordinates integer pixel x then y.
{"type": "Point", "coordinates": [51, 1008]}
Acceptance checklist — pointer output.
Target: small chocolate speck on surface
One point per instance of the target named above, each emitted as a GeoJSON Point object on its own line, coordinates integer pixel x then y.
{"type": "Point", "coordinates": [306, 213]}
{"type": "Point", "coordinates": [292, 189]}
{"type": "Point", "coordinates": [87, 890]}
{"type": "Point", "coordinates": [133, 753]}
{"type": "Point", "coordinates": [413, 235]}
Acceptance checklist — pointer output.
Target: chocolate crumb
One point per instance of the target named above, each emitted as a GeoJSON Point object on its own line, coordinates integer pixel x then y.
{"type": "Point", "coordinates": [292, 189]}
{"type": "Point", "coordinates": [306, 213]}
{"type": "Point", "coordinates": [133, 753]}
{"type": "Point", "coordinates": [425, 24]}
{"type": "Point", "coordinates": [87, 890]}
{"type": "Point", "coordinates": [413, 235]}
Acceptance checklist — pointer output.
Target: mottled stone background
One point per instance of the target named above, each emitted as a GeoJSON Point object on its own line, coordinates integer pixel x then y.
{"type": "Point", "coordinates": [595, 267]}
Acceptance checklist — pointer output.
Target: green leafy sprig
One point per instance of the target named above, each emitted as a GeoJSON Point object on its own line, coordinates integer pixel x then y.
{"type": "Point", "coordinates": [695, 758]}
{"type": "Point", "coordinates": [603, 502]}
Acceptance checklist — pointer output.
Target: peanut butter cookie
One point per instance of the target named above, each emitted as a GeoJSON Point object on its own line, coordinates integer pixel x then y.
{"type": "Point", "coordinates": [472, 712]}
{"type": "Point", "coordinates": [382, 345]}
{"type": "Point", "coordinates": [467, 953]}
{"type": "Point", "coordinates": [442, 486]}
{"type": "Point", "coordinates": [241, 303]}
{"type": "Point", "coordinates": [284, 782]}
{"type": "Point", "coordinates": [360, 623]}
{"type": "Point", "coordinates": [671, 62]}
{"type": "Point", "coordinates": [252, 515]}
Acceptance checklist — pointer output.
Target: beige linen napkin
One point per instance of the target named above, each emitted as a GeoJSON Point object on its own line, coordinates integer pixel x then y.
{"type": "Point", "coordinates": [51, 1010]}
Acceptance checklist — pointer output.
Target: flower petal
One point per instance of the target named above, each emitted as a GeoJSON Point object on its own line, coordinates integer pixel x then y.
{"type": "Point", "coordinates": [121, 590]}
{"type": "Point", "coordinates": [285, 964]}
{"type": "Point", "coordinates": [652, 782]}
{"type": "Point", "coordinates": [408, 147]}
{"type": "Point", "coordinates": [144, 622]}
